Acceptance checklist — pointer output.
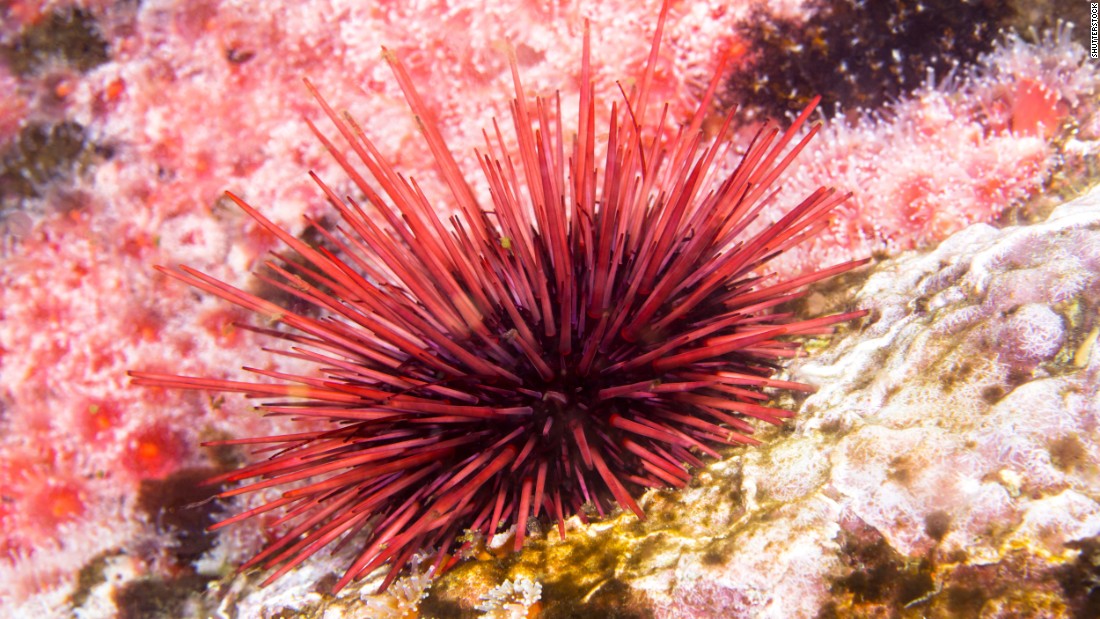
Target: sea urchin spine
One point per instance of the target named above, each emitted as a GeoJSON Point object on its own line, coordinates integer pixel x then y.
{"type": "Point", "coordinates": [594, 333]}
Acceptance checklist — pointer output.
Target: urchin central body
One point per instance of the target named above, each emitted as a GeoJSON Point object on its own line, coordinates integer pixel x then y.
{"type": "Point", "coordinates": [596, 330]}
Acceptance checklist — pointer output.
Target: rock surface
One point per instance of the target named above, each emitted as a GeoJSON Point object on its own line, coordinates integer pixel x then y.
{"type": "Point", "coordinates": [947, 465]}
{"type": "Point", "coordinates": [124, 122]}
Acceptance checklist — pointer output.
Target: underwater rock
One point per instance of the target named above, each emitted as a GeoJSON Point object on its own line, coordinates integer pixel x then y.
{"type": "Point", "coordinates": [947, 464]}
{"type": "Point", "coordinates": [189, 99]}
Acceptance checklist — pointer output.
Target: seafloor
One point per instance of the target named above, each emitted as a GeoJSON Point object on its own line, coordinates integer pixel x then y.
{"type": "Point", "coordinates": [947, 466]}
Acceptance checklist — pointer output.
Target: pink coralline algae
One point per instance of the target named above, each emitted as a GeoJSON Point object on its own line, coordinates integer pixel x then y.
{"type": "Point", "coordinates": [199, 97]}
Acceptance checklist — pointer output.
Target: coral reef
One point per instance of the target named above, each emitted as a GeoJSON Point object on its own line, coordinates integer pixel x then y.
{"type": "Point", "coordinates": [180, 101]}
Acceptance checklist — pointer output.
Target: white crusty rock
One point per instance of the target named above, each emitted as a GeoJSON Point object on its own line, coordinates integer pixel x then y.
{"type": "Point", "coordinates": [948, 458]}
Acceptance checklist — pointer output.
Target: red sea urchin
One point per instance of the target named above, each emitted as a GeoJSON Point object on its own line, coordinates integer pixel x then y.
{"type": "Point", "coordinates": [591, 335]}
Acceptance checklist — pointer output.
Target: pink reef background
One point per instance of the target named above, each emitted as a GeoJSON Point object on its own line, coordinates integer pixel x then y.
{"type": "Point", "coordinates": [202, 97]}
